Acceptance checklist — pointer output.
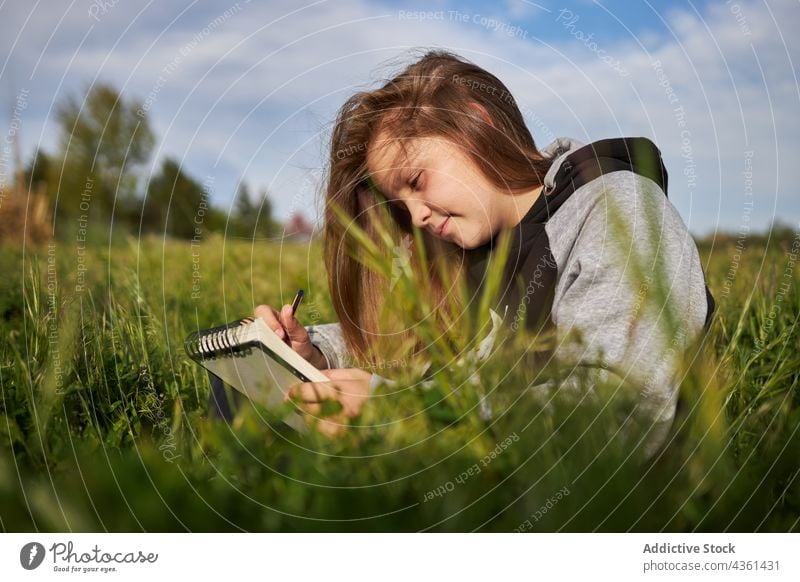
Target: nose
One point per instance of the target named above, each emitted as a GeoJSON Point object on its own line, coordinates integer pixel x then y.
{"type": "Point", "coordinates": [420, 213]}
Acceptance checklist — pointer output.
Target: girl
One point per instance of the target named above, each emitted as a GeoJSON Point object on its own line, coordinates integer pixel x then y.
{"type": "Point", "coordinates": [446, 147]}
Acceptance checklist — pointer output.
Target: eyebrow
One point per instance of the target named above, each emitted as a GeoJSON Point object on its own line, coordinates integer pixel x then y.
{"type": "Point", "coordinates": [396, 173]}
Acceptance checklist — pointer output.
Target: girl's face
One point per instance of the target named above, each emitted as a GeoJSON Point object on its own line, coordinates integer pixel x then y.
{"type": "Point", "coordinates": [441, 189]}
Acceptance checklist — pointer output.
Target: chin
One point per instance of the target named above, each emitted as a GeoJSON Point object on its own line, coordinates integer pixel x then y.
{"type": "Point", "coordinates": [465, 238]}
{"type": "Point", "coordinates": [468, 244]}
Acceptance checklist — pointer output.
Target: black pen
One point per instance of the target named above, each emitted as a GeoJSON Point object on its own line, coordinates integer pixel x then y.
{"type": "Point", "coordinates": [297, 299]}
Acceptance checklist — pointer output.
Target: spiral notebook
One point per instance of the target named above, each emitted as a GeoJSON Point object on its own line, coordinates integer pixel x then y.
{"type": "Point", "coordinates": [247, 355]}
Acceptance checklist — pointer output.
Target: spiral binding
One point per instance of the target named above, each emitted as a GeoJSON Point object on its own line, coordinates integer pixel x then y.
{"type": "Point", "coordinates": [216, 341]}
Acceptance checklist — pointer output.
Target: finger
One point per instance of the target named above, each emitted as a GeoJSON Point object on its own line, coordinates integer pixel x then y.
{"type": "Point", "coordinates": [347, 374]}
{"type": "Point", "coordinates": [294, 395]}
{"type": "Point", "coordinates": [329, 427]}
{"type": "Point", "coordinates": [352, 398]}
{"type": "Point", "coordinates": [270, 317]}
{"type": "Point", "coordinates": [293, 327]}
{"type": "Point", "coordinates": [313, 392]}
{"type": "Point", "coordinates": [287, 317]}
{"type": "Point", "coordinates": [319, 400]}
{"type": "Point", "coordinates": [344, 398]}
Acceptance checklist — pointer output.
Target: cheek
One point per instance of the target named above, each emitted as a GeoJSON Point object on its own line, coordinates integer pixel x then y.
{"type": "Point", "coordinates": [449, 198]}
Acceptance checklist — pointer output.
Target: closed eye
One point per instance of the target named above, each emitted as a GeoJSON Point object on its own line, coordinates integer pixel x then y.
{"type": "Point", "coordinates": [413, 183]}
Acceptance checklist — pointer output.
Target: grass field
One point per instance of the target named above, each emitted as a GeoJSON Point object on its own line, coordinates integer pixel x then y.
{"type": "Point", "coordinates": [103, 418]}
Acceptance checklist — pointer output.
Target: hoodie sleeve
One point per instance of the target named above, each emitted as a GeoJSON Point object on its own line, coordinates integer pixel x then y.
{"type": "Point", "coordinates": [328, 337]}
{"type": "Point", "coordinates": [616, 309]}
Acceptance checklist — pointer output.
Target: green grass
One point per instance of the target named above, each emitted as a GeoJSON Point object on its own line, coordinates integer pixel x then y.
{"type": "Point", "coordinates": [103, 418]}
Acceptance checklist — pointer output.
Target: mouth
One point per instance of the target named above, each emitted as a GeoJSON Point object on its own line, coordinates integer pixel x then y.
{"type": "Point", "coordinates": [441, 228]}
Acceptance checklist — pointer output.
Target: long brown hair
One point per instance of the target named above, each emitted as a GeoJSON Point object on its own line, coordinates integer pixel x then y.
{"type": "Point", "coordinates": [436, 96]}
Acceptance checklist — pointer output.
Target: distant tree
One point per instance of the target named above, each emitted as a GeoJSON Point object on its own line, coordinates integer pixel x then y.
{"type": "Point", "coordinates": [242, 219]}
{"type": "Point", "coordinates": [252, 218]}
{"type": "Point", "coordinates": [215, 220]}
{"type": "Point", "coordinates": [102, 141]}
{"type": "Point", "coordinates": [38, 169]}
{"type": "Point", "coordinates": [175, 203]}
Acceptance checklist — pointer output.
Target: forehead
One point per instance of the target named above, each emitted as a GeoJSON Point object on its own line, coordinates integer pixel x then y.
{"type": "Point", "coordinates": [387, 157]}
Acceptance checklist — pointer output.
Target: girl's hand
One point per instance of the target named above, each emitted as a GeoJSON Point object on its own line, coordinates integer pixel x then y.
{"type": "Point", "coordinates": [348, 386]}
{"type": "Point", "coordinates": [292, 333]}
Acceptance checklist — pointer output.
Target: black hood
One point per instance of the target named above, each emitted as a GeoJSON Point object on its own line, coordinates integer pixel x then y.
{"type": "Point", "coordinates": [529, 249]}
{"type": "Point", "coordinates": [634, 154]}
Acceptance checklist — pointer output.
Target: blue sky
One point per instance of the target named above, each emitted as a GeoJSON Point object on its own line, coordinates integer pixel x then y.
{"type": "Point", "coordinates": [248, 90]}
